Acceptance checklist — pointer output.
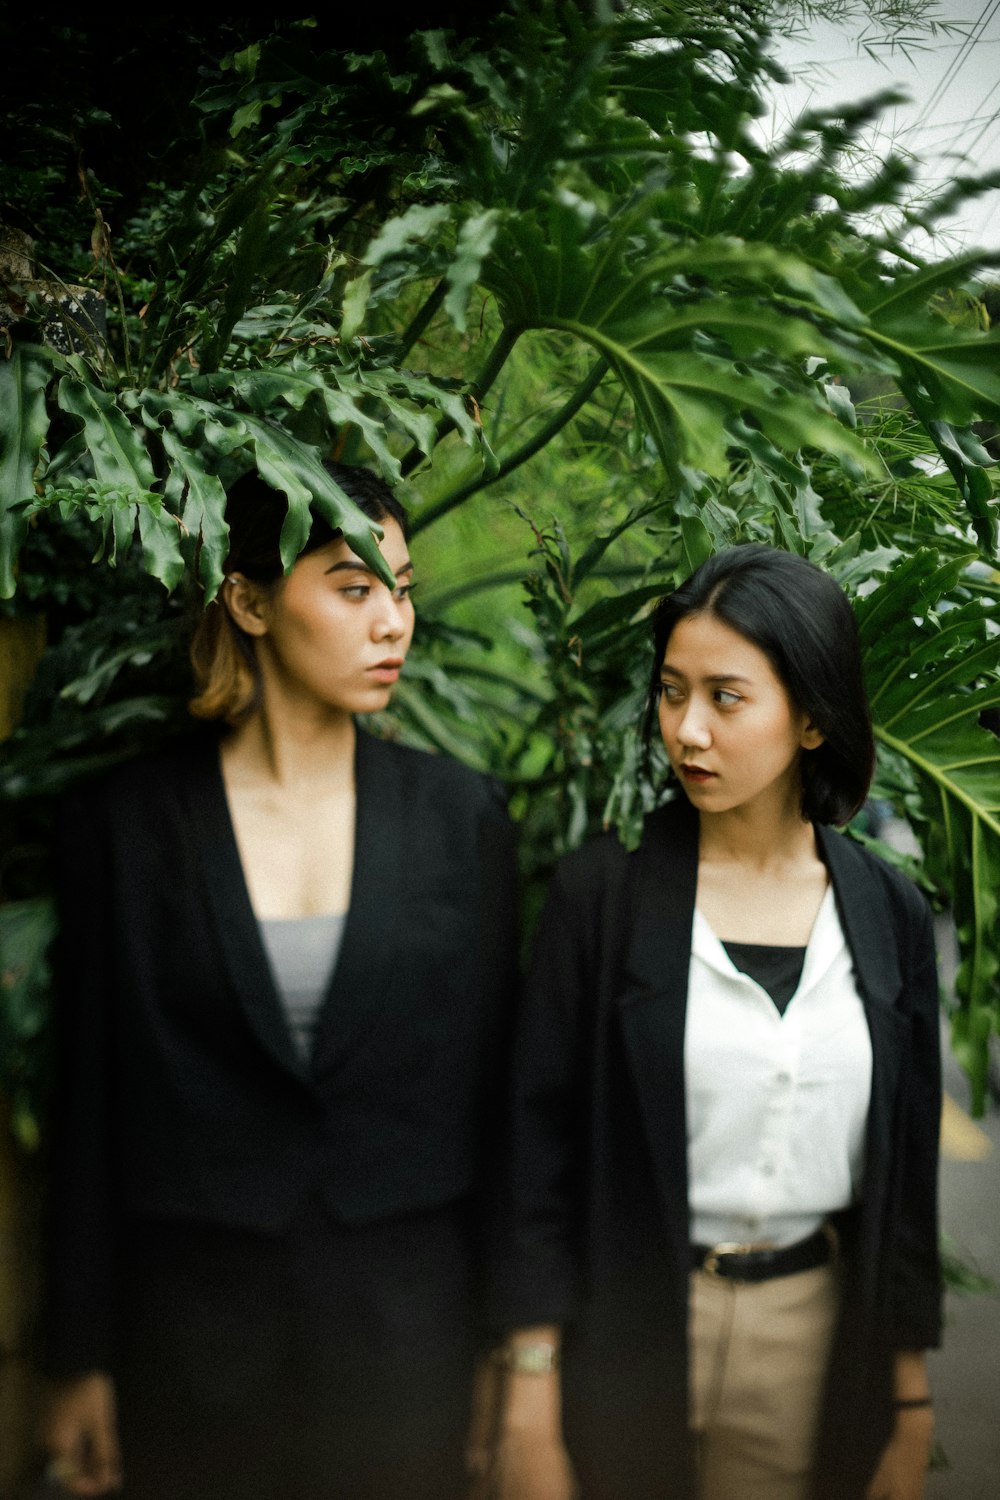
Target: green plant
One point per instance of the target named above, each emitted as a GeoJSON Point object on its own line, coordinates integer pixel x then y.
{"type": "Point", "coordinates": [543, 274]}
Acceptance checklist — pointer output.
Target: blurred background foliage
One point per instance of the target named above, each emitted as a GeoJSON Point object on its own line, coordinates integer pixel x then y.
{"type": "Point", "coordinates": [535, 266]}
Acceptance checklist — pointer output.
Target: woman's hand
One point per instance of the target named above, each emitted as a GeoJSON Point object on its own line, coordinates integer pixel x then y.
{"type": "Point", "coordinates": [532, 1466]}
{"type": "Point", "coordinates": [484, 1420]}
{"type": "Point", "coordinates": [902, 1469]}
{"type": "Point", "coordinates": [81, 1435]}
{"type": "Point", "coordinates": [530, 1460]}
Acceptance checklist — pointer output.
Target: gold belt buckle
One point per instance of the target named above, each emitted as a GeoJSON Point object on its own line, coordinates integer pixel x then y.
{"type": "Point", "coordinates": [710, 1265]}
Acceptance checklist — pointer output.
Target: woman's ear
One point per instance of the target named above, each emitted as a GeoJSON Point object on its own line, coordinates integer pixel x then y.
{"type": "Point", "coordinates": [812, 737]}
{"type": "Point", "coordinates": [246, 602]}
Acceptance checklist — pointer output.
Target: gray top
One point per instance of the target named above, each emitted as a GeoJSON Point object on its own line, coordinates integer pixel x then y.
{"type": "Point", "coordinates": [302, 952]}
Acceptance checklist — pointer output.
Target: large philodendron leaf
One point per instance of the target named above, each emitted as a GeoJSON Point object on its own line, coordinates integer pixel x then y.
{"type": "Point", "coordinates": [111, 477]}
{"type": "Point", "coordinates": [701, 335]}
{"type": "Point", "coordinates": [197, 432]}
{"type": "Point", "coordinates": [289, 466]}
{"type": "Point", "coordinates": [932, 656]}
{"type": "Point", "coordinates": [195, 435]}
{"type": "Point", "coordinates": [24, 423]}
{"type": "Point", "coordinates": [114, 444]}
{"type": "Point", "coordinates": [950, 376]}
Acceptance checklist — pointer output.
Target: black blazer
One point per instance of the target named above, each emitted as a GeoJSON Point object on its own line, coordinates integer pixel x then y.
{"type": "Point", "coordinates": [179, 1092]}
{"type": "Point", "coordinates": [598, 1176]}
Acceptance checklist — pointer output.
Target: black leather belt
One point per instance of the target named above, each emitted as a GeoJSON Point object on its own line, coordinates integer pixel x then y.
{"type": "Point", "coordinates": [747, 1263]}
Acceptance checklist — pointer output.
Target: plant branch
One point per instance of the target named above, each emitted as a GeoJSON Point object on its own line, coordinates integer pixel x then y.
{"type": "Point", "coordinates": [421, 321]}
{"type": "Point", "coordinates": [534, 445]}
{"type": "Point", "coordinates": [495, 361]}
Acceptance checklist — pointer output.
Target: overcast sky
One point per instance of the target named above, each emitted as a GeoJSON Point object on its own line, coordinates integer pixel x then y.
{"type": "Point", "coordinates": [951, 125]}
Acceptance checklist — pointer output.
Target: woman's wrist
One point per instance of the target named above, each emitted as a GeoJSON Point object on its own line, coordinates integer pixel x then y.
{"type": "Point", "coordinates": [528, 1356]}
{"type": "Point", "coordinates": [529, 1359]}
{"type": "Point", "coordinates": [911, 1385]}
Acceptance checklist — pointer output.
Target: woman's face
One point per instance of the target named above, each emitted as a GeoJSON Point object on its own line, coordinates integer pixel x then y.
{"type": "Point", "coordinates": [732, 733]}
{"type": "Point", "coordinates": [332, 634]}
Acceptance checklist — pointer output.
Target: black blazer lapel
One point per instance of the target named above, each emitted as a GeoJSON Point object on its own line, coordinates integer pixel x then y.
{"type": "Point", "coordinates": [210, 830]}
{"type": "Point", "coordinates": [360, 990]}
{"type": "Point", "coordinates": [866, 917]}
{"type": "Point", "coordinates": [653, 1003]}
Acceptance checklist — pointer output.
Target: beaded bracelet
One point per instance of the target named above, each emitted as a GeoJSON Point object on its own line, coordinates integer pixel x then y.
{"type": "Point", "coordinates": [907, 1403]}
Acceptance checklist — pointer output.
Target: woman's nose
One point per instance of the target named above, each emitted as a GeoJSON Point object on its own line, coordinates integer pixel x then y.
{"type": "Point", "coordinates": [390, 623]}
{"type": "Point", "coordinates": [693, 729]}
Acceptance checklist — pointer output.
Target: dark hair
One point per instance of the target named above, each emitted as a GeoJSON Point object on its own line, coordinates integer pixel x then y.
{"type": "Point", "coordinates": [255, 514]}
{"type": "Point", "coordinates": [802, 620]}
{"type": "Point", "coordinates": [222, 655]}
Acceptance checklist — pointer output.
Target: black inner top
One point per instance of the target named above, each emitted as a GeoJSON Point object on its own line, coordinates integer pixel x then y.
{"type": "Point", "coordinates": [776, 970]}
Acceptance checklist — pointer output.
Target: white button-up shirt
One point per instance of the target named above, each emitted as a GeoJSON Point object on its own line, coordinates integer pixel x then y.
{"type": "Point", "coordinates": [776, 1104]}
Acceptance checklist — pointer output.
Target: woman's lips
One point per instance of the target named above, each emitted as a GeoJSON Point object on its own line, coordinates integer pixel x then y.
{"type": "Point", "coordinates": [386, 671]}
{"type": "Point", "coordinates": [696, 773]}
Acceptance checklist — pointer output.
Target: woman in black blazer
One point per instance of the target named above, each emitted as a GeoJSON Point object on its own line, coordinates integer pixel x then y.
{"type": "Point", "coordinates": [286, 966]}
{"type": "Point", "coordinates": [727, 1099]}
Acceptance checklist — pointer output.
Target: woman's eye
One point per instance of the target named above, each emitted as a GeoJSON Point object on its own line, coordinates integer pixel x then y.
{"type": "Point", "coordinates": [726, 699]}
{"type": "Point", "coordinates": [403, 592]}
{"type": "Point", "coordinates": [670, 691]}
{"type": "Point", "coordinates": [356, 591]}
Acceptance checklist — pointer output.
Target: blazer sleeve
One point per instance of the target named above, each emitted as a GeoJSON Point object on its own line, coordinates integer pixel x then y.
{"type": "Point", "coordinates": [916, 1312]}
{"type": "Point", "coordinates": [539, 1263]}
{"type": "Point", "coordinates": [80, 1276]}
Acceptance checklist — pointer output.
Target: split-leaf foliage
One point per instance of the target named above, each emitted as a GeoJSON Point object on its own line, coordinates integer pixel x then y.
{"type": "Point", "coordinates": [548, 278]}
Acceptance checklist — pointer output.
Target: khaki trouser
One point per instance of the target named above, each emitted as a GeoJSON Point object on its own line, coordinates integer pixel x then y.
{"type": "Point", "coordinates": [758, 1357]}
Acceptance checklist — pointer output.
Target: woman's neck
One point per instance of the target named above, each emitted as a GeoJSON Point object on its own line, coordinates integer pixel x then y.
{"type": "Point", "coordinates": [292, 752]}
{"type": "Point", "coordinates": [759, 881]}
{"type": "Point", "coordinates": [754, 842]}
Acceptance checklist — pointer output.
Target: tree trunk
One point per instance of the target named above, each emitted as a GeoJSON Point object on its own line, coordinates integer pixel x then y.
{"type": "Point", "coordinates": [21, 644]}
{"type": "Point", "coordinates": [20, 1217]}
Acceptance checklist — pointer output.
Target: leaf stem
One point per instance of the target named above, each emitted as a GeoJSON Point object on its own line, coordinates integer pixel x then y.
{"type": "Point", "coordinates": [933, 774]}
{"type": "Point", "coordinates": [539, 440]}
{"type": "Point", "coordinates": [495, 361]}
{"type": "Point", "coordinates": [421, 320]}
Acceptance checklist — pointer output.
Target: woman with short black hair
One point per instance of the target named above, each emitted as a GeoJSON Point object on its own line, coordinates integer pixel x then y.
{"type": "Point", "coordinates": [727, 1098]}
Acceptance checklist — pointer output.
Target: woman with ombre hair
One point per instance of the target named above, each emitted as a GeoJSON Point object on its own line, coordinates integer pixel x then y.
{"type": "Point", "coordinates": [286, 966]}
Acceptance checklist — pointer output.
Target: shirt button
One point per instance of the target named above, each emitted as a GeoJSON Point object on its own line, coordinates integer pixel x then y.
{"type": "Point", "coordinates": [784, 1077]}
{"type": "Point", "coordinates": [767, 1169]}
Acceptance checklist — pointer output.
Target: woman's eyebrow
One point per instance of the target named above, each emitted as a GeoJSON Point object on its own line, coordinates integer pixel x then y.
{"type": "Point", "coordinates": [355, 565]}
{"type": "Point", "coordinates": [669, 671]}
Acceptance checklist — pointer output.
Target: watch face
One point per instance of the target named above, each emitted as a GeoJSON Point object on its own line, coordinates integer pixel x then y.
{"type": "Point", "coordinates": [530, 1359]}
